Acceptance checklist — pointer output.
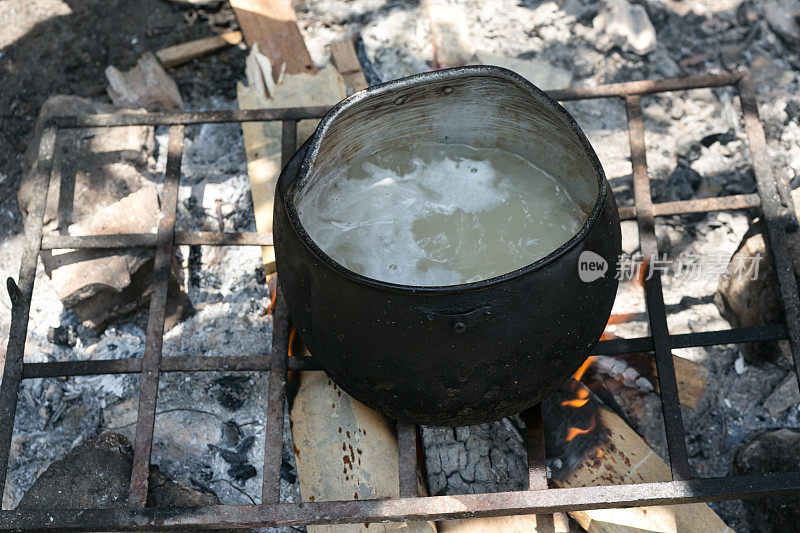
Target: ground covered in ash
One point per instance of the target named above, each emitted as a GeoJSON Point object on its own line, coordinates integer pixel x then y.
{"type": "Point", "coordinates": [696, 148]}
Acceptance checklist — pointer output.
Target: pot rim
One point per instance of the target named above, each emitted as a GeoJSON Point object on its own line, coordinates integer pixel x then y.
{"type": "Point", "coordinates": [411, 81]}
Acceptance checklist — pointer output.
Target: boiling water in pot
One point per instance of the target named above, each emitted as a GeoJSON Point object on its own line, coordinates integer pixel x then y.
{"type": "Point", "coordinates": [434, 214]}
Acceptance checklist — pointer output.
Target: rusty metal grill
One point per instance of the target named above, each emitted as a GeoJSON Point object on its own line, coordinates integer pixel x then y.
{"type": "Point", "coordinates": [773, 199]}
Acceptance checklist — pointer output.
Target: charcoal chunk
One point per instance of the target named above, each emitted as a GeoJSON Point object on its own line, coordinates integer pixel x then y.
{"type": "Point", "coordinates": [773, 451]}
{"type": "Point", "coordinates": [242, 472]}
{"type": "Point", "coordinates": [63, 336]}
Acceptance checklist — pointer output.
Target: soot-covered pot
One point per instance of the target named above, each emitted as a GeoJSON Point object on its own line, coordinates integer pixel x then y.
{"type": "Point", "coordinates": [458, 354]}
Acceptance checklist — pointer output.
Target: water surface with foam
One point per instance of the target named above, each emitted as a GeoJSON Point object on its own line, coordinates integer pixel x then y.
{"type": "Point", "coordinates": [435, 214]}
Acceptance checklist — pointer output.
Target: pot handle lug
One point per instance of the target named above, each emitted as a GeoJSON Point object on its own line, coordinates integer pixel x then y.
{"type": "Point", "coordinates": [457, 322]}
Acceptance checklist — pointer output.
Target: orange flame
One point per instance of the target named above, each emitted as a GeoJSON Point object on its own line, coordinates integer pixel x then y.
{"type": "Point", "coordinates": [580, 401]}
{"type": "Point", "coordinates": [582, 396]}
{"type": "Point", "coordinates": [574, 432]}
{"type": "Point", "coordinates": [584, 367]}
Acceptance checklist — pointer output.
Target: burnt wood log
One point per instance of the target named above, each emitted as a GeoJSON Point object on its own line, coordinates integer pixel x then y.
{"type": "Point", "coordinates": [590, 445]}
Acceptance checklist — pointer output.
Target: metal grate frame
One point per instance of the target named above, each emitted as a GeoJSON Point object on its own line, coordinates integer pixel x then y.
{"type": "Point", "coordinates": [773, 199]}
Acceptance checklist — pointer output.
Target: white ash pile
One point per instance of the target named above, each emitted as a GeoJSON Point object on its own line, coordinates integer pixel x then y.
{"type": "Point", "coordinates": [209, 431]}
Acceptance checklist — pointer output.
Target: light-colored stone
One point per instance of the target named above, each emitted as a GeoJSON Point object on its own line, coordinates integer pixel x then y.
{"type": "Point", "coordinates": [100, 285]}
{"type": "Point", "coordinates": [101, 164]}
{"type": "Point", "coordinates": [146, 85]}
{"type": "Point", "coordinates": [626, 25]}
{"type": "Point", "coordinates": [746, 302]}
{"type": "Point", "coordinates": [79, 275]}
{"type": "Point", "coordinates": [785, 395]}
{"type": "Point", "coordinates": [782, 18]}
{"type": "Point", "coordinates": [630, 236]}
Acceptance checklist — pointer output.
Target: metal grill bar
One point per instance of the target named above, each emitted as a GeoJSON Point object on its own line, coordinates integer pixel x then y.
{"type": "Point", "coordinates": [773, 198]}
{"type": "Point", "coordinates": [632, 88]}
{"type": "Point", "coordinates": [407, 459]}
{"type": "Point", "coordinates": [778, 214]}
{"type": "Point", "coordinates": [537, 467]}
{"type": "Point", "coordinates": [151, 361]}
{"type": "Point", "coordinates": [186, 118]}
{"type": "Point", "coordinates": [668, 383]}
{"type": "Point", "coordinates": [259, 363]}
{"type": "Point", "coordinates": [690, 340]}
{"type": "Point", "coordinates": [288, 140]}
{"type": "Point", "coordinates": [411, 509]}
{"type": "Point", "coordinates": [136, 240]}
{"type": "Point", "coordinates": [273, 431]}
{"type": "Point", "coordinates": [534, 446]}
{"type": "Point", "coordinates": [705, 205]}
{"type": "Point", "coordinates": [298, 113]}
{"type": "Point", "coordinates": [21, 295]}
{"type": "Point", "coordinates": [731, 336]}
{"type": "Point", "coordinates": [238, 363]}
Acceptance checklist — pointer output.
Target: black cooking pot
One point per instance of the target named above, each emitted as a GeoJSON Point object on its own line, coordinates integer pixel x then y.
{"type": "Point", "coordinates": [459, 354]}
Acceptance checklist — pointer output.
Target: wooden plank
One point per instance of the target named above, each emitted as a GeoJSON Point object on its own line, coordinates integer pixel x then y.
{"type": "Point", "coordinates": [622, 456]}
{"type": "Point", "coordinates": [273, 25]}
{"type": "Point", "coordinates": [506, 524]}
{"type": "Point", "coordinates": [263, 168]}
{"type": "Point", "coordinates": [262, 140]}
{"type": "Point", "coordinates": [692, 380]}
{"type": "Point", "coordinates": [343, 55]}
{"type": "Point", "coordinates": [344, 451]}
{"type": "Point", "coordinates": [172, 56]}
